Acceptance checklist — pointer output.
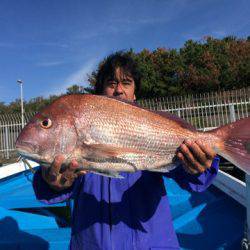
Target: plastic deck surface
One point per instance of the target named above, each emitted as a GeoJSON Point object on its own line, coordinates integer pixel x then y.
{"type": "Point", "coordinates": [207, 221]}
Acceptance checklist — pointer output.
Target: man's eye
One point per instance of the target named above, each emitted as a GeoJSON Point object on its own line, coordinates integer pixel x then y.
{"type": "Point", "coordinates": [111, 84]}
{"type": "Point", "coordinates": [126, 82]}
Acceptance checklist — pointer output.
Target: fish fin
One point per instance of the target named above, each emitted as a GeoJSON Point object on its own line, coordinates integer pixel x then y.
{"type": "Point", "coordinates": [93, 168]}
{"type": "Point", "coordinates": [235, 145]}
{"type": "Point", "coordinates": [164, 169]}
{"type": "Point", "coordinates": [108, 151]}
{"type": "Point", "coordinates": [161, 170]}
{"type": "Point", "coordinates": [182, 122]}
{"type": "Point", "coordinates": [111, 174]}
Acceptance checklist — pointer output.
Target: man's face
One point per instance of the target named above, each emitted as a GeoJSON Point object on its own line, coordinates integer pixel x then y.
{"type": "Point", "coordinates": [121, 85]}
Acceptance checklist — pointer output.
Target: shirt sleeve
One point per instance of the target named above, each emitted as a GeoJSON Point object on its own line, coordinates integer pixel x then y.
{"type": "Point", "coordinates": [197, 182]}
{"type": "Point", "coordinates": [47, 195]}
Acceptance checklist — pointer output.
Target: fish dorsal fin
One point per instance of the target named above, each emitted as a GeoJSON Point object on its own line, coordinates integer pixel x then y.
{"type": "Point", "coordinates": [176, 118]}
{"type": "Point", "coordinates": [164, 114]}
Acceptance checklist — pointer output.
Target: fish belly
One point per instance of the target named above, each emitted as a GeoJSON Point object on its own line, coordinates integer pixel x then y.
{"type": "Point", "coordinates": [130, 163]}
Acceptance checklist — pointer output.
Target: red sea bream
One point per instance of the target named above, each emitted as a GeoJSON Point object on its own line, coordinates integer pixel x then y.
{"type": "Point", "coordinates": [107, 136]}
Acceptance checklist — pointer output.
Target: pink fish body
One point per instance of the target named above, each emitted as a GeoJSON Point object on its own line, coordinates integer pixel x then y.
{"type": "Point", "coordinates": [107, 136]}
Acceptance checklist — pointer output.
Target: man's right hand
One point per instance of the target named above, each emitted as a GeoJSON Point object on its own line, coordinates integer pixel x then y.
{"type": "Point", "coordinates": [60, 177]}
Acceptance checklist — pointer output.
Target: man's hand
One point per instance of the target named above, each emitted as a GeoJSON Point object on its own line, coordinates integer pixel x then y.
{"type": "Point", "coordinates": [60, 177]}
{"type": "Point", "coordinates": [195, 156]}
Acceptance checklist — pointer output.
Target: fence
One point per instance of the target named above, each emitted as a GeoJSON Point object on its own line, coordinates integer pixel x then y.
{"type": "Point", "coordinates": [204, 111]}
{"type": "Point", "coordinates": [10, 127]}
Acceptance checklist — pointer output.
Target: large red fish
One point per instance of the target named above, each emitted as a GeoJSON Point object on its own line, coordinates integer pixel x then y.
{"type": "Point", "coordinates": [106, 136]}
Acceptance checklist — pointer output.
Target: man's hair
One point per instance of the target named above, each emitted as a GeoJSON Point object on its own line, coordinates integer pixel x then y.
{"type": "Point", "coordinates": [113, 61]}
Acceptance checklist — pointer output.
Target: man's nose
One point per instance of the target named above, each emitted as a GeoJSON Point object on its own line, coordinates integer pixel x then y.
{"type": "Point", "coordinates": [119, 88]}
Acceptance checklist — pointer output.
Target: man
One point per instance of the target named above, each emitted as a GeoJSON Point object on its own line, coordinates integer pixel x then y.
{"type": "Point", "coordinates": [129, 213]}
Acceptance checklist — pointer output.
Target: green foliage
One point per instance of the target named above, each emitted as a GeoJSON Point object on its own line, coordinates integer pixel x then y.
{"type": "Point", "coordinates": [198, 67]}
{"type": "Point", "coordinates": [75, 89]}
{"type": "Point", "coordinates": [3, 108]}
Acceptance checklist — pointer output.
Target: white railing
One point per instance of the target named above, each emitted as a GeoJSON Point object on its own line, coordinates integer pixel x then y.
{"type": "Point", "coordinates": [208, 110]}
{"type": "Point", "coordinates": [10, 127]}
{"type": "Point", "coordinates": [8, 136]}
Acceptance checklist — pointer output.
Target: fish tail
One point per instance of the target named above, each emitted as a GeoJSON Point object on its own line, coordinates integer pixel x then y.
{"type": "Point", "coordinates": [235, 143]}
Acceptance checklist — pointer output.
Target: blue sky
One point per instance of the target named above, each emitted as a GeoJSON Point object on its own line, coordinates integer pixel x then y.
{"type": "Point", "coordinates": [52, 44]}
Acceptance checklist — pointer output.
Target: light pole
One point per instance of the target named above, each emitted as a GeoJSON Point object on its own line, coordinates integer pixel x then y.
{"type": "Point", "coordinates": [21, 89]}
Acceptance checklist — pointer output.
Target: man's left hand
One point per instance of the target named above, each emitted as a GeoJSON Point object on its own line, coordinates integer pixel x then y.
{"type": "Point", "coordinates": [195, 156]}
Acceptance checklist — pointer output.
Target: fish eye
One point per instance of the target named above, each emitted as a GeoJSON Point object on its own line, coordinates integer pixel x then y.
{"type": "Point", "coordinates": [46, 123]}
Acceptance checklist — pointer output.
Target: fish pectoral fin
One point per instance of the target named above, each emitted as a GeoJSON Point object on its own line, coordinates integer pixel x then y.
{"type": "Point", "coordinates": [92, 168]}
{"type": "Point", "coordinates": [107, 151]}
{"type": "Point", "coordinates": [164, 168]}
{"type": "Point", "coordinates": [112, 174]}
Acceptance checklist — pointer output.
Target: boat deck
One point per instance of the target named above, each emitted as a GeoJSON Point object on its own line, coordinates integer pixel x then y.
{"type": "Point", "coordinates": [207, 221]}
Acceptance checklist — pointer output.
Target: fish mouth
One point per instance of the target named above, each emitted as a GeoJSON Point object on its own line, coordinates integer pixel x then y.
{"type": "Point", "coordinates": [34, 157]}
{"type": "Point", "coordinates": [26, 151]}
{"type": "Point", "coordinates": [28, 155]}
{"type": "Point", "coordinates": [24, 147]}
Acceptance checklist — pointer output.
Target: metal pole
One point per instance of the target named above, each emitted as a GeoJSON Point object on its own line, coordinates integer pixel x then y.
{"type": "Point", "coordinates": [232, 113]}
{"type": "Point", "coordinates": [179, 112]}
{"type": "Point", "coordinates": [7, 142]}
{"type": "Point", "coordinates": [22, 110]}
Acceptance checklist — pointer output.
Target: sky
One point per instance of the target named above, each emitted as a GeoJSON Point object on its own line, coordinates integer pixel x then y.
{"type": "Point", "coordinates": [53, 44]}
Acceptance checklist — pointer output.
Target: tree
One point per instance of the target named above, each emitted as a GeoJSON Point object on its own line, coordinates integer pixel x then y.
{"type": "Point", "coordinates": [75, 89]}
{"type": "Point", "coordinates": [3, 108]}
{"type": "Point", "coordinates": [199, 66]}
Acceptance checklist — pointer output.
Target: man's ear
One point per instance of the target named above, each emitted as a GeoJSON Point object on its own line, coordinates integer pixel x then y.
{"type": "Point", "coordinates": [134, 97]}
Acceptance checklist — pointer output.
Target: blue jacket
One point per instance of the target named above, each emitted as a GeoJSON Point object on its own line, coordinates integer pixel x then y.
{"type": "Point", "coordinates": [123, 214]}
